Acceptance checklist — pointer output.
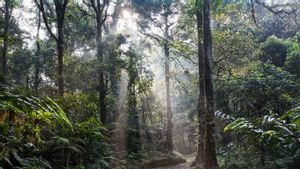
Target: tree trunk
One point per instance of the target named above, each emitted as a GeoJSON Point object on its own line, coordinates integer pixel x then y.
{"type": "Point", "coordinates": [200, 152]}
{"type": "Point", "coordinates": [60, 10]}
{"type": "Point", "coordinates": [102, 90]}
{"type": "Point", "coordinates": [113, 77]}
{"type": "Point", "coordinates": [38, 51]}
{"type": "Point", "coordinates": [134, 142]}
{"type": "Point", "coordinates": [98, 8]}
{"type": "Point", "coordinates": [210, 160]}
{"type": "Point", "coordinates": [182, 137]}
{"type": "Point", "coordinates": [60, 49]}
{"type": "Point", "coordinates": [5, 40]}
{"type": "Point", "coordinates": [169, 139]}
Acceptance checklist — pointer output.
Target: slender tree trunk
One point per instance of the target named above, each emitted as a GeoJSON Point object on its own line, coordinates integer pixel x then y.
{"type": "Point", "coordinates": [100, 18]}
{"type": "Point", "coordinates": [38, 51]}
{"type": "Point", "coordinates": [36, 78]}
{"type": "Point", "coordinates": [134, 131]}
{"type": "Point", "coordinates": [60, 50]}
{"type": "Point", "coordinates": [182, 137]}
{"type": "Point", "coordinates": [7, 14]}
{"type": "Point", "coordinates": [210, 160]}
{"type": "Point", "coordinates": [102, 90]}
{"type": "Point", "coordinates": [169, 139]}
{"type": "Point", "coordinates": [60, 10]}
{"type": "Point", "coordinates": [134, 142]}
{"type": "Point", "coordinates": [201, 121]}
{"type": "Point", "coordinates": [113, 77]}
{"type": "Point", "coordinates": [114, 89]}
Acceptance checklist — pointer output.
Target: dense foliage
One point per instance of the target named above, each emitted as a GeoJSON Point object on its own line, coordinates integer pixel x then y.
{"type": "Point", "coordinates": [36, 132]}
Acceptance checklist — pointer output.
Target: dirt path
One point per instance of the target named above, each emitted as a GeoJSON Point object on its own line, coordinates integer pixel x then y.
{"type": "Point", "coordinates": [189, 159]}
{"type": "Point", "coordinates": [180, 166]}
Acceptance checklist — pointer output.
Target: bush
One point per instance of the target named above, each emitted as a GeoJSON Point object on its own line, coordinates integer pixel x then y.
{"type": "Point", "coordinates": [274, 50]}
{"type": "Point", "coordinates": [293, 60]}
{"type": "Point", "coordinates": [36, 133]}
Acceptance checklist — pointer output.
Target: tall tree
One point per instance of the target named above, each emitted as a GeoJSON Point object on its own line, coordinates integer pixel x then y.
{"type": "Point", "coordinates": [134, 142]}
{"type": "Point", "coordinates": [199, 20]}
{"type": "Point", "coordinates": [210, 160]}
{"type": "Point", "coordinates": [100, 15]}
{"type": "Point", "coordinates": [139, 85]}
{"type": "Point", "coordinates": [206, 156]}
{"type": "Point", "coordinates": [167, 14]}
{"type": "Point", "coordinates": [7, 15]}
{"type": "Point", "coordinates": [165, 25]}
{"type": "Point", "coordinates": [60, 10]}
{"type": "Point", "coordinates": [114, 66]}
{"type": "Point", "coordinates": [37, 55]}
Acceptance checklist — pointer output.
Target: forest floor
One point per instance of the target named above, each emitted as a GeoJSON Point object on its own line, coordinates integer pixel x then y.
{"type": "Point", "coordinates": [189, 160]}
{"type": "Point", "coordinates": [179, 166]}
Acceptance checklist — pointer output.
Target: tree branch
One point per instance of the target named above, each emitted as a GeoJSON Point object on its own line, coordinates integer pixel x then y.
{"type": "Point", "coordinates": [253, 13]}
{"type": "Point", "coordinates": [273, 10]}
{"type": "Point", "coordinates": [105, 5]}
{"type": "Point", "coordinates": [42, 9]}
{"type": "Point", "coordinates": [156, 24]}
{"type": "Point", "coordinates": [84, 12]}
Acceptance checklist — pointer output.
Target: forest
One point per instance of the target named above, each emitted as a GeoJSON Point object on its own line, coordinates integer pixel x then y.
{"type": "Point", "coordinates": [142, 84]}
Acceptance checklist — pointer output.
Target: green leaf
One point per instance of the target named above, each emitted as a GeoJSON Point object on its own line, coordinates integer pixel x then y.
{"type": "Point", "coordinates": [235, 124]}
{"type": "Point", "coordinates": [61, 140]}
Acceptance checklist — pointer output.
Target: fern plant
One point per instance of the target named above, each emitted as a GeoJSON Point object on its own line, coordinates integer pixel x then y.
{"type": "Point", "coordinates": [23, 122]}
{"type": "Point", "coordinates": [277, 136]}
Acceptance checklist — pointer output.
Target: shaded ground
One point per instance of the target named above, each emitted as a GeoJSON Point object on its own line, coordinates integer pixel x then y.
{"type": "Point", "coordinates": [189, 159]}
{"type": "Point", "coordinates": [179, 166]}
{"type": "Point", "coordinates": [178, 161]}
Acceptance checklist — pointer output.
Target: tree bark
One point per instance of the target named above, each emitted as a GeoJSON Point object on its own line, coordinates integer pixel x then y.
{"type": "Point", "coordinates": [210, 160]}
{"type": "Point", "coordinates": [113, 77]}
{"type": "Point", "coordinates": [102, 90]}
{"type": "Point", "coordinates": [134, 140]}
{"type": "Point", "coordinates": [101, 80]}
{"type": "Point", "coordinates": [169, 139]}
{"type": "Point", "coordinates": [200, 152]}
{"type": "Point", "coordinates": [60, 10]}
{"type": "Point", "coordinates": [60, 52]}
{"type": "Point", "coordinates": [38, 51]}
{"type": "Point", "coordinates": [7, 14]}
{"type": "Point", "coordinates": [100, 12]}
{"type": "Point", "coordinates": [60, 55]}
{"type": "Point", "coordinates": [60, 14]}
